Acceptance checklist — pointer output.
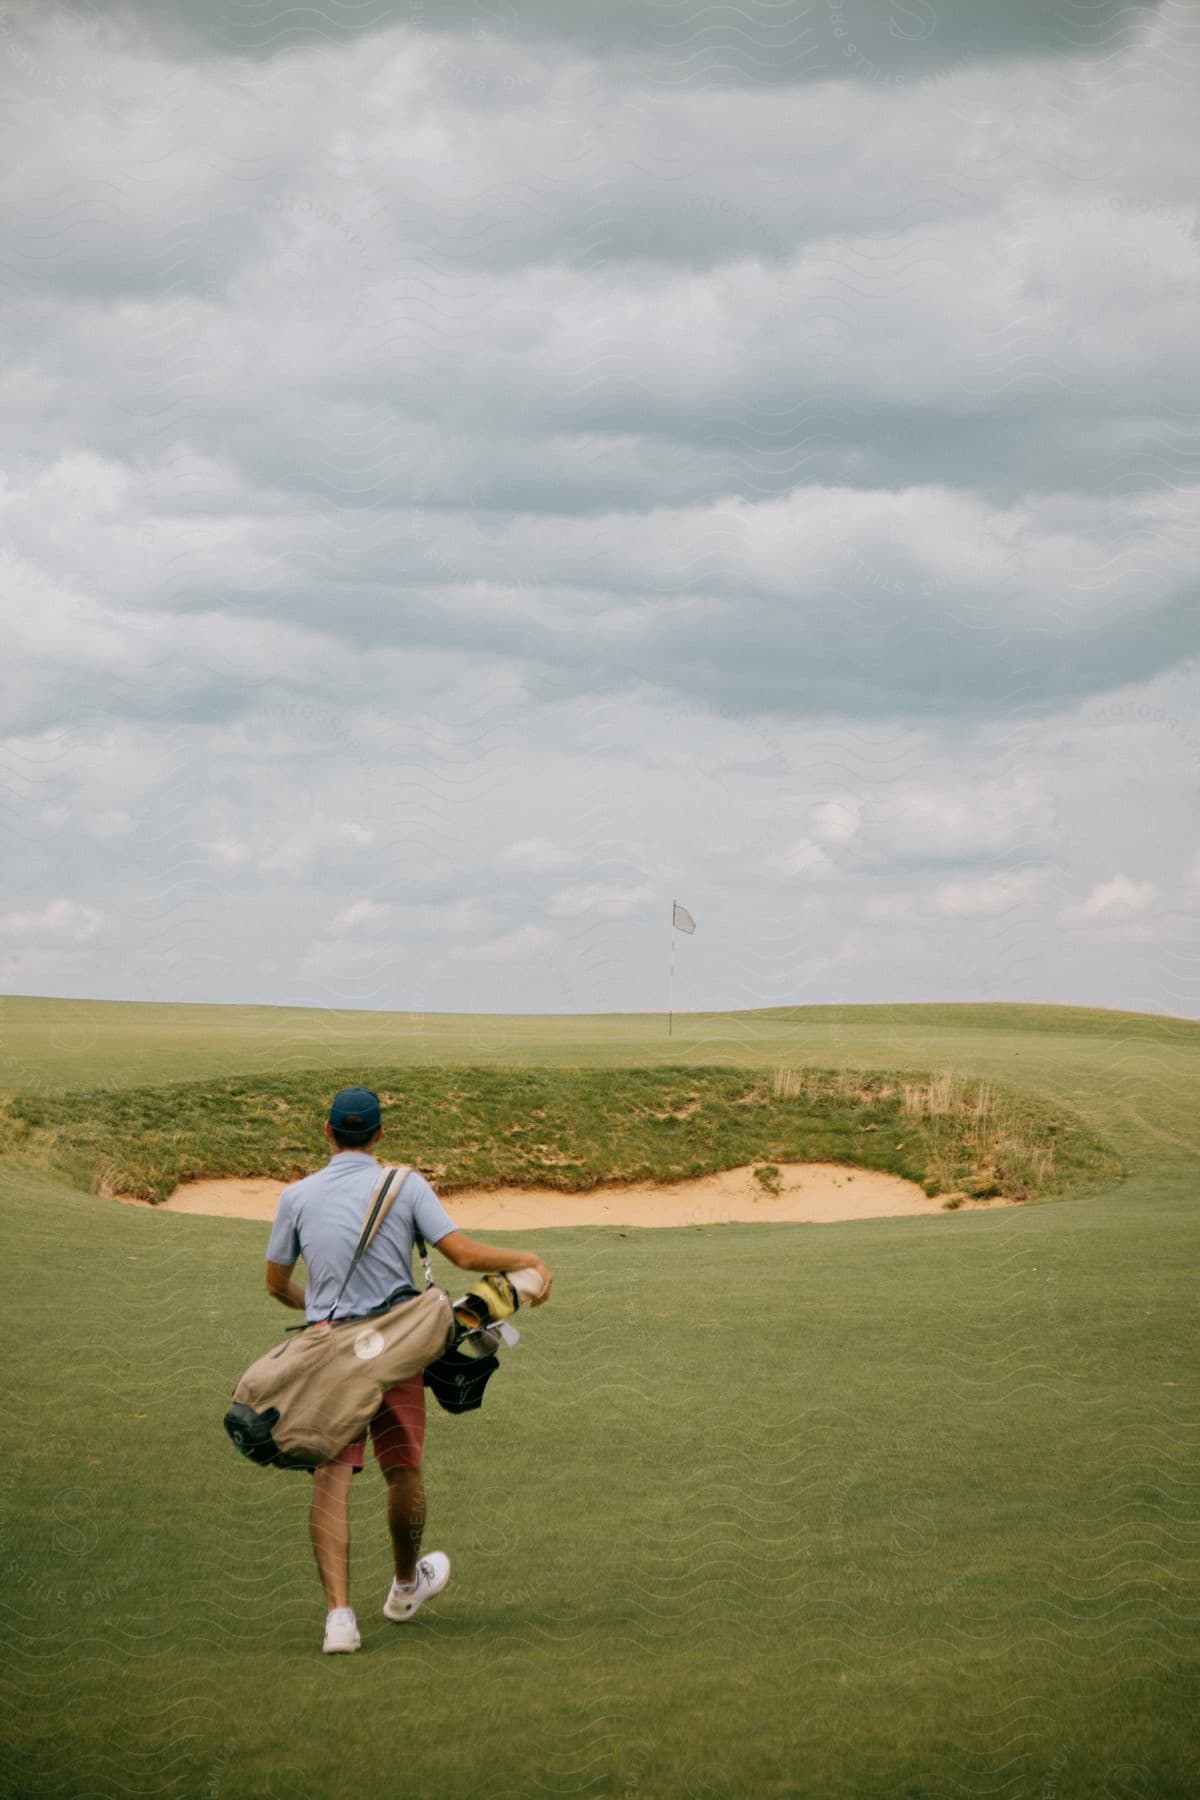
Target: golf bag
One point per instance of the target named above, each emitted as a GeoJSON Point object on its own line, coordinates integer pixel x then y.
{"type": "Point", "coordinates": [302, 1402]}
{"type": "Point", "coordinates": [314, 1393]}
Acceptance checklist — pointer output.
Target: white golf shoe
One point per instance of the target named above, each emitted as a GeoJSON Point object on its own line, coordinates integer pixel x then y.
{"type": "Point", "coordinates": [433, 1572]}
{"type": "Point", "coordinates": [341, 1630]}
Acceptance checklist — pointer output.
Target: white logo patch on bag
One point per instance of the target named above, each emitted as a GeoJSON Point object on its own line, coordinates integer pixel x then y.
{"type": "Point", "coordinates": [367, 1344]}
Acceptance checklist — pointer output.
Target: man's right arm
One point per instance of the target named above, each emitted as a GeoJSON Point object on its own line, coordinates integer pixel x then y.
{"type": "Point", "coordinates": [280, 1285]}
{"type": "Point", "coordinates": [484, 1259]}
{"type": "Point", "coordinates": [283, 1251]}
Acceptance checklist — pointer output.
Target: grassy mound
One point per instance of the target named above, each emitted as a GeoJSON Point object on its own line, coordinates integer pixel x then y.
{"type": "Point", "coordinates": [568, 1129]}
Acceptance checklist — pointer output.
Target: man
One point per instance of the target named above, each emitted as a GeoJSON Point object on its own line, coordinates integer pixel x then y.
{"type": "Point", "coordinates": [320, 1219]}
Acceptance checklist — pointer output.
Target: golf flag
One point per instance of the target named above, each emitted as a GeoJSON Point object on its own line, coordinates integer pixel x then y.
{"type": "Point", "coordinates": [681, 918]}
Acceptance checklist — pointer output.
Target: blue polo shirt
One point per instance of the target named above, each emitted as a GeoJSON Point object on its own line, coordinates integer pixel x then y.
{"type": "Point", "coordinates": [321, 1217]}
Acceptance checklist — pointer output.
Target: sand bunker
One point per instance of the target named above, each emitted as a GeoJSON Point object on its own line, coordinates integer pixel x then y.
{"type": "Point", "coordinates": [819, 1193]}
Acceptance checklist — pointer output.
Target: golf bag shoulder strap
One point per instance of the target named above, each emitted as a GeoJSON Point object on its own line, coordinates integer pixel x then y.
{"type": "Point", "coordinates": [378, 1206]}
{"type": "Point", "coordinates": [403, 1170]}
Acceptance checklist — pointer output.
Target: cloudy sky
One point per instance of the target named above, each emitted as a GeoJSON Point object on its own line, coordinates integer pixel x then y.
{"type": "Point", "coordinates": [472, 473]}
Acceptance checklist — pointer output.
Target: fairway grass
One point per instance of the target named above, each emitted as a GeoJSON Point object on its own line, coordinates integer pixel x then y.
{"type": "Point", "coordinates": [898, 1507]}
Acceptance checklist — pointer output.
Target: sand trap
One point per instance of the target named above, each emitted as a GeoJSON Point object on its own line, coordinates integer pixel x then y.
{"type": "Point", "coordinates": [819, 1193]}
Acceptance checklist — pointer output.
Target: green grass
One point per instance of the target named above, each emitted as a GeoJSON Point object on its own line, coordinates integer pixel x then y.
{"type": "Point", "coordinates": [896, 1507]}
{"type": "Point", "coordinates": [568, 1129]}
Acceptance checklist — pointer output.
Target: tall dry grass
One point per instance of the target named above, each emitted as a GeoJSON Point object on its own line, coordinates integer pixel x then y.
{"type": "Point", "coordinates": [976, 1144]}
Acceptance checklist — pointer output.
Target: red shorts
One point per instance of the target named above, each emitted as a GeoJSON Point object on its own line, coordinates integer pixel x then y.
{"type": "Point", "coordinates": [397, 1430]}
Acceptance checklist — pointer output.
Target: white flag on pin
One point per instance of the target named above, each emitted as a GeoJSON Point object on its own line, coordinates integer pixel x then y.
{"type": "Point", "coordinates": [681, 918]}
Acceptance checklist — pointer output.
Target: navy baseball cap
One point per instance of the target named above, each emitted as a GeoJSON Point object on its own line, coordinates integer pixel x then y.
{"type": "Point", "coordinates": [355, 1113]}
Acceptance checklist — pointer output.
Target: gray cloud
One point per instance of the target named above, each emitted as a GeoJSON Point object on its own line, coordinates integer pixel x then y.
{"type": "Point", "coordinates": [886, 41]}
{"type": "Point", "coordinates": [504, 467]}
{"type": "Point", "coordinates": [831, 600]}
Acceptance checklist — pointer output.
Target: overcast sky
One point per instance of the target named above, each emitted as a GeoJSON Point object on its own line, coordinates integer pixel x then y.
{"type": "Point", "coordinates": [472, 474]}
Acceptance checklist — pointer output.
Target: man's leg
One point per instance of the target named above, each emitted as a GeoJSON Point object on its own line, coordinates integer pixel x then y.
{"type": "Point", "coordinates": [398, 1435]}
{"type": "Point", "coordinates": [406, 1519]}
{"type": "Point", "coordinates": [329, 1524]}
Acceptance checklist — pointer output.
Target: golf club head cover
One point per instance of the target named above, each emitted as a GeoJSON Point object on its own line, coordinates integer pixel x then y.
{"type": "Point", "coordinates": [252, 1434]}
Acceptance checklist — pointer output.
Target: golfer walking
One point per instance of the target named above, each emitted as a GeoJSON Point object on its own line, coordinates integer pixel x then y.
{"type": "Point", "coordinates": [319, 1219]}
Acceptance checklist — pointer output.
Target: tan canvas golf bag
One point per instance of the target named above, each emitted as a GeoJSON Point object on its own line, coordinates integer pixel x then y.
{"type": "Point", "coordinates": [314, 1393]}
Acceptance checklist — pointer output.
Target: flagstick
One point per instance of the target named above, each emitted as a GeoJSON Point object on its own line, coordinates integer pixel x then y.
{"type": "Point", "coordinates": [671, 979]}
